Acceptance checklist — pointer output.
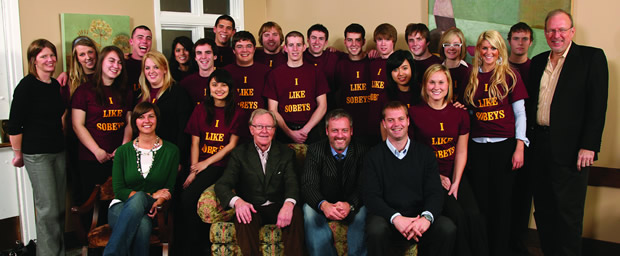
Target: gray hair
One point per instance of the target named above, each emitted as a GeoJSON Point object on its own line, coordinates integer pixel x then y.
{"type": "Point", "coordinates": [262, 111]}
{"type": "Point", "coordinates": [337, 114]}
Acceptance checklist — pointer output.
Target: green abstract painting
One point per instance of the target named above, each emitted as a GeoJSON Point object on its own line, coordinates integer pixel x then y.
{"type": "Point", "coordinates": [103, 29]}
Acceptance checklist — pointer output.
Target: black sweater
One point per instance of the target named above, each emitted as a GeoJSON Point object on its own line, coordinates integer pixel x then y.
{"type": "Point", "coordinates": [408, 186]}
{"type": "Point", "coordinates": [36, 113]}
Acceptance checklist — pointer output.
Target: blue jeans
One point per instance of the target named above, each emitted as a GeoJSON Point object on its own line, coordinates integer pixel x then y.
{"type": "Point", "coordinates": [319, 237]}
{"type": "Point", "coordinates": [47, 174]}
{"type": "Point", "coordinates": [131, 226]}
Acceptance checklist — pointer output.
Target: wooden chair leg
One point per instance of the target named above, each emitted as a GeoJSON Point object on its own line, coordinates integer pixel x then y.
{"type": "Point", "coordinates": [84, 250]}
{"type": "Point", "coordinates": [164, 249]}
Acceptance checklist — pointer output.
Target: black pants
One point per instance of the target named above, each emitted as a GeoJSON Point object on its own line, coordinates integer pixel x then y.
{"type": "Point", "coordinates": [382, 238]}
{"type": "Point", "coordinates": [559, 198]}
{"type": "Point", "coordinates": [195, 231]}
{"type": "Point", "coordinates": [491, 178]}
{"type": "Point", "coordinates": [521, 206]}
{"type": "Point", "coordinates": [91, 174]}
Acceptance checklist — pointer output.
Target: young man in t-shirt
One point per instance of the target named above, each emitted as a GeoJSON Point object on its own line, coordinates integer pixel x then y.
{"type": "Point", "coordinates": [326, 60]}
{"type": "Point", "coordinates": [296, 93]}
{"type": "Point", "coordinates": [520, 39]}
{"type": "Point", "coordinates": [196, 84]}
{"type": "Point", "coordinates": [249, 78]}
{"type": "Point", "coordinates": [353, 79]}
{"type": "Point", "coordinates": [141, 40]}
{"type": "Point", "coordinates": [224, 30]}
{"type": "Point", "coordinates": [418, 38]}
{"type": "Point", "coordinates": [270, 37]}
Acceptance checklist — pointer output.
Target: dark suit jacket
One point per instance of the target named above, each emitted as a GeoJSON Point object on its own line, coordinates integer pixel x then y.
{"type": "Point", "coordinates": [245, 175]}
{"type": "Point", "coordinates": [320, 179]}
{"type": "Point", "coordinates": [579, 102]}
{"type": "Point", "coordinates": [175, 108]}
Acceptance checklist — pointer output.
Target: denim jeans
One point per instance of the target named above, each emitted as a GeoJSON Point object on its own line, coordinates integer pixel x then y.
{"type": "Point", "coordinates": [319, 236]}
{"type": "Point", "coordinates": [47, 174]}
{"type": "Point", "coordinates": [131, 226]}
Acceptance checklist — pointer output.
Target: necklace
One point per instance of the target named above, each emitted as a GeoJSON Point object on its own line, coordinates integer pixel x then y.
{"type": "Point", "coordinates": [152, 151]}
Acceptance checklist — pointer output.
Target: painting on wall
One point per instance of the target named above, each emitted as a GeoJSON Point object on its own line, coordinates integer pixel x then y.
{"type": "Point", "coordinates": [104, 30]}
{"type": "Point", "coordinates": [475, 17]}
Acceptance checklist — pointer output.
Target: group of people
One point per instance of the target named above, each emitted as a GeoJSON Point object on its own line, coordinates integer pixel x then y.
{"type": "Point", "coordinates": [445, 154]}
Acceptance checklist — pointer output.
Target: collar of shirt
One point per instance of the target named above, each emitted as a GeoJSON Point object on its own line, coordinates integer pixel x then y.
{"type": "Point", "coordinates": [260, 151]}
{"type": "Point", "coordinates": [344, 153]}
{"type": "Point", "coordinates": [398, 154]}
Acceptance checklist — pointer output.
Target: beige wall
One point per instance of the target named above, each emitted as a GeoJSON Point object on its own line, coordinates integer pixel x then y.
{"type": "Point", "coordinates": [41, 19]}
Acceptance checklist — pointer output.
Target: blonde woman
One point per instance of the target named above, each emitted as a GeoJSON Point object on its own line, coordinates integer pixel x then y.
{"type": "Point", "coordinates": [495, 94]}
{"type": "Point", "coordinates": [453, 50]}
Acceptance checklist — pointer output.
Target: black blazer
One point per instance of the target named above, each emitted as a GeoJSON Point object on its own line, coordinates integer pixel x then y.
{"type": "Point", "coordinates": [320, 179]}
{"type": "Point", "coordinates": [579, 102]}
{"type": "Point", "coordinates": [244, 174]}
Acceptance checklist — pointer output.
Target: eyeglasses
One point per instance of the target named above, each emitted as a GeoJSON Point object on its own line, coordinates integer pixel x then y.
{"type": "Point", "coordinates": [561, 31]}
{"type": "Point", "coordinates": [455, 45]}
{"type": "Point", "coordinates": [260, 127]}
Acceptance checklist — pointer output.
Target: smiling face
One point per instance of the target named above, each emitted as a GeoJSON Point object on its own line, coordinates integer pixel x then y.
{"type": "Point", "coordinates": [181, 55]}
{"type": "Point", "coordinates": [263, 137]}
{"type": "Point", "coordinates": [224, 30]}
{"type": "Point", "coordinates": [219, 92]}
{"type": "Point", "coordinates": [271, 40]}
{"type": "Point", "coordinates": [396, 123]}
{"type": "Point", "coordinates": [385, 46]}
{"type": "Point", "coordinates": [153, 73]}
{"type": "Point", "coordinates": [244, 51]}
{"type": "Point", "coordinates": [295, 48]}
{"type": "Point", "coordinates": [317, 42]}
{"type": "Point", "coordinates": [140, 43]}
{"type": "Point", "coordinates": [489, 55]}
{"type": "Point", "coordinates": [453, 52]}
{"type": "Point", "coordinates": [559, 33]}
{"type": "Point", "coordinates": [45, 62]}
{"type": "Point", "coordinates": [437, 87]}
{"type": "Point", "coordinates": [87, 57]}
{"type": "Point", "coordinates": [204, 57]}
{"type": "Point", "coordinates": [111, 67]}
{"type": "Point", "coordinates": [354, 43]}
{"type": "Point", "coordinates": [402, 74]}
{"type": "Point", "coordinates": [339, 132]}
{"type": "Point", "coordinates": [147, 122]}
{"type": "Point", "coordinates": [417, 45]}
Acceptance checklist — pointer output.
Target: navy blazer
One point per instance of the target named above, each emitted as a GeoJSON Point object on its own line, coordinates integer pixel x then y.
{"type": "Point", "coordinates": [579, 102]}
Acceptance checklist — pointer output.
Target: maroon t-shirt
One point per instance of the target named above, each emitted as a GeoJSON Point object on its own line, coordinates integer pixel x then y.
{"type": "Point", "coordinates": [213, 136]}
{"type": "Point", "coordinates": [422, 65]}
{"type": "Point", "coordinates": [524, 70]}
{"type": "Point", "coordinates": [105, 123]}
{"type": "Point", "coordinates": [460, 79]}
{"type": "Point", "coordinates": [250, 83]}
{"type": "Point", "coordinates": [493, 117]}
{"type": "Point", "coordinates": [153, 94]}
{"type": "Point", "coordinates": [196, 87]}
{"type": "Point", "coordinates": [327, 63]}
{"type": "Point", "coordinates": [271, 60]}
{"type": "Point", "coordinates": [353, 80]}
{"type": "Point", "coordinates": [225, 56]}
{"type": "Point", "coordinates": [133, 75]}
{"type": "Point", "coordinates": [378, 80]}
{"type": "Point", "coordinates": [440, 130]}
{"type": "Point", "coordinates": [296, 90]}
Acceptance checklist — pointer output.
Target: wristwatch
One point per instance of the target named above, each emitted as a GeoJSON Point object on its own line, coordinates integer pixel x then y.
{"type": "Point", "coordinates": [351, 208]}
{"type": "Point", "coordinates": [427, 217]}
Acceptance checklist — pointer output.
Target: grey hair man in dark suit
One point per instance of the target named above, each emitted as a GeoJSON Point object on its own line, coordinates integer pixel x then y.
{"type": "Point", "coordinates": [261, 172]}
{"type": "Point", "coordinates": [330, 186]}
{"type": "Point", "coordinates": [566, 115]}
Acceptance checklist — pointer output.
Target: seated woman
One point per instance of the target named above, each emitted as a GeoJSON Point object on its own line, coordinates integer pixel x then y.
{"type": "Point", "coordinates": [143, 178]}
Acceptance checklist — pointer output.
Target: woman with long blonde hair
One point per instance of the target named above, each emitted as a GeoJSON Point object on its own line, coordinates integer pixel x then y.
{"type": "Point", "coordinates": [495, 94]}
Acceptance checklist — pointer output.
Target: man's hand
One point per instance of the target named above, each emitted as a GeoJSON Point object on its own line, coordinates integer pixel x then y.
{"type": "Point", "coordinates": [244, 211]}
{"type": "Point", "coordinates": [62, 79]}
{"type": "Point", "coordinates": [373, 54]}
{"type": "Point", "coordinates": [418, 227]}
{"type": "Point", "coordinates": [404, 226]}
{"type": "Point", "coordinates": [344, 208]}
{"type": "Point", "coordinates": [331, 211]}
{"type": "Point", "coordinates": [585, 158]}
{"type": "Point", "coordinates": [285, 215]}
{"type": "Point", "coordinates": [445, 182]}
{"type": "Point", "coordinates": [102, 156]}
{"type": "Point", "coordinates": [298, 136]}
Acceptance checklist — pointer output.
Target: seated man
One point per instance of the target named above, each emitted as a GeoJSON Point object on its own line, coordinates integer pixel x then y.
{"type": "Point", "coordinates": [261, 172]}
{"type": "Point", "coordinates": [330, 185]}
{"type": "Point", "coordinates": [403, 193]}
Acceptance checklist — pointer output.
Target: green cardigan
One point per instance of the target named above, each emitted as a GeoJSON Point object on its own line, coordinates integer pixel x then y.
{"type": "Point", "coordinates": [126, 178]}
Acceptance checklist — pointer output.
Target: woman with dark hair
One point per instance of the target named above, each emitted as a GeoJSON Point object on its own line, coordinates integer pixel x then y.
{"type": "Point", "coordinates": [495, 94]}
{"type": "Point", "coordinates": [36, 133]}
{"type": "Point", "coordinates": [445, 129]}
{"type": "Point", "coordinates": [101, 109]}
{"type": "Point", "coordinates": [453, 50]}
{"type": "Point", "coordinates": [213, 126]}
{"type": "Point", "coordinates": [182, 62]}
{"type": "Point", "coordinates": [143, 178]}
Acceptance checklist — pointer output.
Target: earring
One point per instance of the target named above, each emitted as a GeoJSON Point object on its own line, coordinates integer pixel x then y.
{"type": "Point", "coordinates": [499, 61]}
